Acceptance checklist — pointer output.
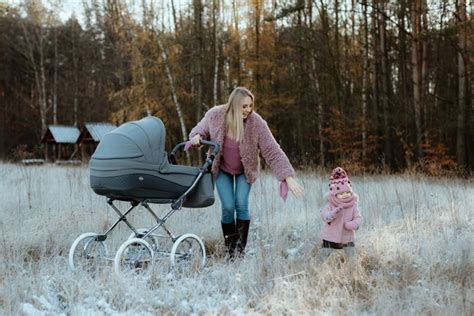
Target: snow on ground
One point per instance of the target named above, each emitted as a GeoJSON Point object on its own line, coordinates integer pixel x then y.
{"type": "Point", "coordinates": [414, 251]}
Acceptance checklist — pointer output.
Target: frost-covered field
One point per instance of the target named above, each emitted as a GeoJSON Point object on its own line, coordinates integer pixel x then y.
{"type": "Point", "coordinates": [414, 251]}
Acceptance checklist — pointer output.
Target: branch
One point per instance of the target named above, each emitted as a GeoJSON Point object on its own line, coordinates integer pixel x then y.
{"type": "Point", "coordinates": [286, 11]}
{"type": "Point", "coordinates": [387, 17]}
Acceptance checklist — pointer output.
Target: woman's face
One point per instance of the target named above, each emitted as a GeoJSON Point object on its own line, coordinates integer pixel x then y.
{"type": "Point", "coordinates": [247, 105]}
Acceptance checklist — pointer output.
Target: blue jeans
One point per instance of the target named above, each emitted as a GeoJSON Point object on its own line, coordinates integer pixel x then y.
{"type": "Point", "coordinates": [234, 195]}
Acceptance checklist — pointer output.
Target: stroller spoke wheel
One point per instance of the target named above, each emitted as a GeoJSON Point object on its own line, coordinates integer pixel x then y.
{"type": "Point", "coordinates": [152, 240]}
{"type": "Point", "coordinates": [188, 255]}
{"type": "Point", "coordinates": [87, 253]}
{"type": "Point", "coordinates": [135, 255]}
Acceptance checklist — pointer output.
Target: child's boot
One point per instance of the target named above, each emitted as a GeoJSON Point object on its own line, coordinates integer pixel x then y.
{"type": "Point", "coordinates": [350, 252]}
{"type": "Point", "coordinates": [326, 251]}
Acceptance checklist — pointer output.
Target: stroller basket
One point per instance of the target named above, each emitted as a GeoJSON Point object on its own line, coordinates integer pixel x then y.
{"type": "Point", "coordinates": [131, 164]}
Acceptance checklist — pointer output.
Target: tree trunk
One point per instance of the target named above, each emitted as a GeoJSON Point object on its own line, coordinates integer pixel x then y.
{"type": "Point", "coordinates": [35, 46]}
{"type": "Point", "coordinates": [403, 81]}
{"type": "Point", "coordinates": [424, 73]}
{"type": "Point", "coordinates": [320, 110]}
{"type": "Point", "coordinates": [55, 78]}
{"type": "Point", "coordinates": [416, 56]}
{"type": "Point", "coordinates": [198, 8]}
{"type": "Point", "coordinates": [236, 26]}
{"type": "Point", "coordinates": [257, 46]}
{"type": "Point", "coordinates": [375, 65]}
{"type": "Point", "coordinates": [144, 82]}
{"type": "Point", "coordinates": [384, 85]}
{"type": "Point", "coordinates": [337, 61]}
{"type": "Point", "coordinates": [76, 78]}
{"type": "Point", "coordinates": [365, 81]}
{"type": "Point", "coordinates": [174, 95]}
{"type": "Point", "coordinates": [173, 9]}
{"type": "Point", "coordinates": [462, 84]}
{"type": "Point", "coordinates": [216, 53]}
{"type": "Point", "coordinates": [299, 85]}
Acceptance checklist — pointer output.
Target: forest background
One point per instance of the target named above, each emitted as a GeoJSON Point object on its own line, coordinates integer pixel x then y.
{"type": "Point", "coordinates": [371, 85]}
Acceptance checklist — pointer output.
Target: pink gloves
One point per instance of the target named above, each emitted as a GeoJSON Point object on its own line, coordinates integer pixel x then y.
{"type": "Point", "coordinates": [352, 225]}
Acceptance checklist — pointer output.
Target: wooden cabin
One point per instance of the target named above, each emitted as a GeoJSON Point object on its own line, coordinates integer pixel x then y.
{"type": "Point", "coordinates": [60, 142]}
{"type": "Point", "coordinates": [90, 136]}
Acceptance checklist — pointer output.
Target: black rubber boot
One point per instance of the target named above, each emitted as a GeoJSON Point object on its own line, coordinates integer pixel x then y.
{"type": "Point", "coordinates": [243, 231]}
{"type": "Point", "coordinates": [230, 239]}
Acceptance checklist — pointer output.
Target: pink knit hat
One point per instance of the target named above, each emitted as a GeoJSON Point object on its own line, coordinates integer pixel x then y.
{"type": "Point", "coordinates": [339, 182]}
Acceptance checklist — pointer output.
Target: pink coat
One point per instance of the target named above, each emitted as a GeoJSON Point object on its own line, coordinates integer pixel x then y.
{"type": "Point", "coordinates": [257, 138]}
{"type": "Point", "coordinates": [339, 226]}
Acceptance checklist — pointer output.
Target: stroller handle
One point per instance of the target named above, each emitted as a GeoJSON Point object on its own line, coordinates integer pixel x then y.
{"type": "Point", "coordinates": [216, 147]}
{"type": "Point", "coordinates": [215, 150]}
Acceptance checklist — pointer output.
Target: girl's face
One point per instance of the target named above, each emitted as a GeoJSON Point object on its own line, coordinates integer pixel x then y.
{"type": "Point", "coordinates": [247, 106]}
{"type": "Point", "coordinates": [343, 195]}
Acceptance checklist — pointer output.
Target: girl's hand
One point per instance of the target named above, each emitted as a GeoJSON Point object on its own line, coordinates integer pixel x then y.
{"type": "Point", "coordinates": [335, 211]}
{"type": "Point", "coordinates": [295, 188]}
{"type": "Point", "coordinates": [351, 225]}
{"type": "Point", "coordinates": [338, 209]}
{"type": "Point", "coordinates": [196, 140]}
{"type": "Point", "coordinates": [328, 218]}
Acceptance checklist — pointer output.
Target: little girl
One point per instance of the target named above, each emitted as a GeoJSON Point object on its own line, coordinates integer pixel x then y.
{"type": "Point", "coordinates": [340, 215]}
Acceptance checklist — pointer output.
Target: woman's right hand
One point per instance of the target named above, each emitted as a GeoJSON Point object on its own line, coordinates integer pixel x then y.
{"type": "Point", "coordinates": [196, 140]}
{"type": "Point", "coordinates": [296, 188]}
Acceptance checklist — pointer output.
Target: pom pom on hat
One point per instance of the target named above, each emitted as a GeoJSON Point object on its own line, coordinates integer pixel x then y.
{"type": "Point", "coordinates": [339, 182]}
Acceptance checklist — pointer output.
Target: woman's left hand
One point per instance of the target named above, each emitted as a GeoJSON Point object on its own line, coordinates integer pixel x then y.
{"type": "Point", "coordinates": [296, 188]}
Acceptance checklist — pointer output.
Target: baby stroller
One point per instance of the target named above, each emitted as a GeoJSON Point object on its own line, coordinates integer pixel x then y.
{"type": "Point", "coordinates": [131, 164]}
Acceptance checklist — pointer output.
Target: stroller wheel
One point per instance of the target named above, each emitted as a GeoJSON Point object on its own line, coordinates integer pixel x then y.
{"type": "Point", "coordinates": [188, 254]}
{"type": "Point", "coordinates": [152, 240]}
{"type": "Point", "coordinates": [134, 255]}
{"type": "Point", "coordinates": [87, 253]}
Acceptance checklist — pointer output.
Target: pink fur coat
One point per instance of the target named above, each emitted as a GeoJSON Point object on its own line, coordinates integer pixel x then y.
{"type": "Point", "coordinates": [257, 138]}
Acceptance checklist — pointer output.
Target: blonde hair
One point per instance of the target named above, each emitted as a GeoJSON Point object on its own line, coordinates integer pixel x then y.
{"type": "Point", "coordinates": [233, 118]}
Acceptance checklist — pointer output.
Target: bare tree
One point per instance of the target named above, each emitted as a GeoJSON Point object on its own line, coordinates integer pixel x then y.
{"type": "Point", "coordinates": [55, 77]}
{"type": "Point", "coordinates": [462, 84]}
{"type": "Point", "coordinates": [198, 75]}
{"type": "Point", "coordinates": [35, 40]}
{"type": "Point", "coordinates": [236, 27]}
{"type": "Point", "coordinates": [175, 21]}
{"type": "Point", "coordinates": [54, 24]}
{"type": "Point", "coordinates": [384, 84]}
{"type": "Point", "coordinates": [416, 58]}
{"type": "Point", "coordinates": [75, 65]}
{"type": "Point", "coordinates": [258, 12]}
{"type": "Point", "coordinates": [174, 95]}
{"type": "Point", "coordinates": [320, 111]}
{"type": "Point", "coordinates": [374, 39]}
{"type": "Point", "coordinates": [365, 79]}
{"type": "Point", "coordinates": [215, 13]}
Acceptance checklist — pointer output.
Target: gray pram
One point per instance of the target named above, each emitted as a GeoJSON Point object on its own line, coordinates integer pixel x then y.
{"type": "Point", "coordinates": [131, 164]}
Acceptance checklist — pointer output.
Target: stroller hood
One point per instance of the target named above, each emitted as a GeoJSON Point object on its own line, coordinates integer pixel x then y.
{"type": "Point", "coordinates": [142, 141]}
{"type": "Point", "coordinates": [131, 163]}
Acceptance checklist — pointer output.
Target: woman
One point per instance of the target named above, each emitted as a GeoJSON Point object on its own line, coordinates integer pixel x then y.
{"type": "Point", "coordinates": [241, 133]}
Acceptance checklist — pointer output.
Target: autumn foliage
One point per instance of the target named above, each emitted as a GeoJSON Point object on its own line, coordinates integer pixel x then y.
{"type": "Point", "coordinates": [362, 83]}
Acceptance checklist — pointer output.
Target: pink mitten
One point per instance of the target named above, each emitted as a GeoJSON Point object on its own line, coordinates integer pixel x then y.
{"type": "Point", "coordinates": [350, 225]}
